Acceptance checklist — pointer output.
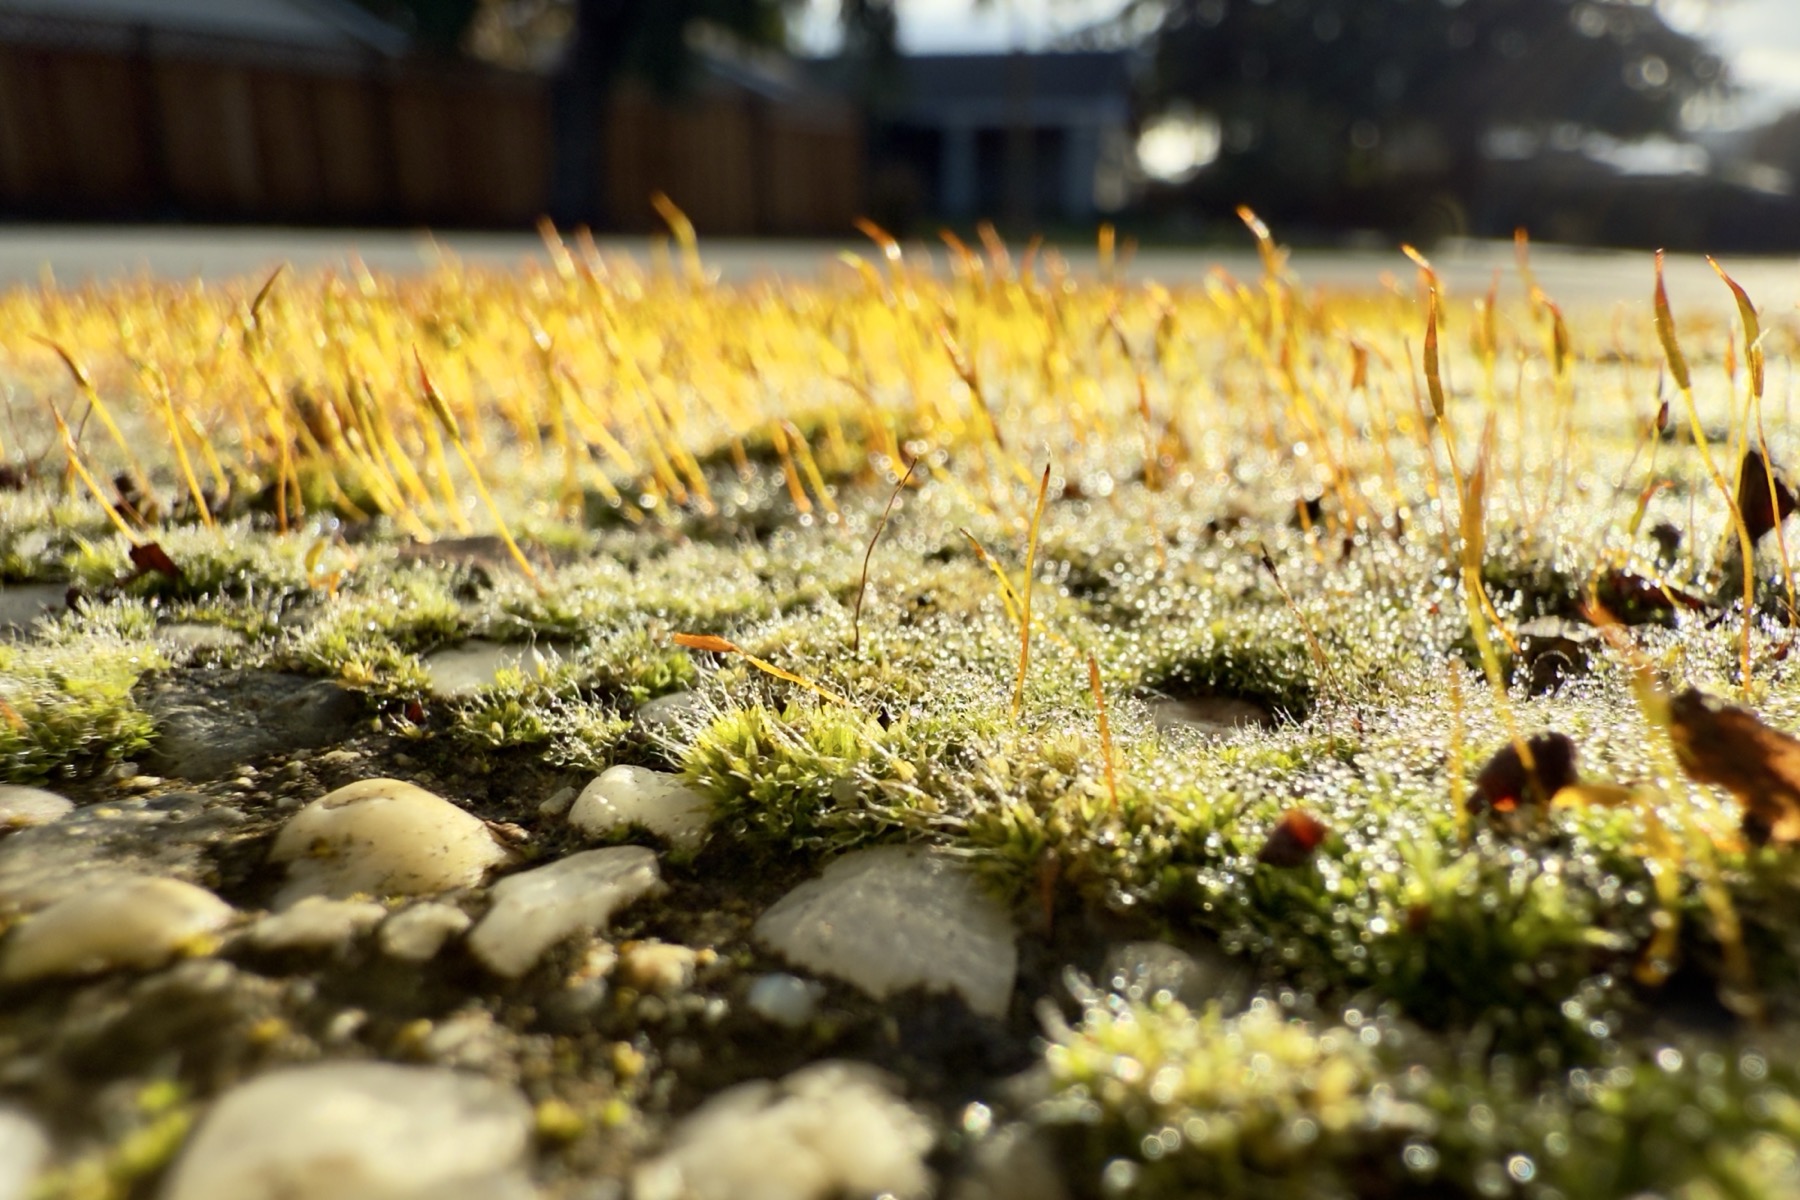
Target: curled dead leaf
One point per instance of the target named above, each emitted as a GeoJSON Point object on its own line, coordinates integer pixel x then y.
{"type": "Point", "coordinates": [1763, 508]}
{"type": "Point", "coordinates": [152, 558]}
{"type": "Point", "coordinates": [1722, 744]}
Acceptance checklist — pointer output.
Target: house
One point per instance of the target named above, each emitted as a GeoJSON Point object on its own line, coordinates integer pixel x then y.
{"type": "Point", "coordinates": [1029, 137]}
{"type": "Point", "coordinates": [318, 26]}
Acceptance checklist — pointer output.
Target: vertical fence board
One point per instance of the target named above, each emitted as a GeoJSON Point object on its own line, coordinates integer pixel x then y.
{"type": "Point", "coordinates": [152, 128]}
{"type": "Point", "coordinates": [287, 145]}
{"type": "Point", "coordinates": [355, 159]}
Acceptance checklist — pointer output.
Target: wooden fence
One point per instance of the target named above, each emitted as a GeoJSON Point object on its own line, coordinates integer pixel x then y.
{"type": "Point", "coordinates": [119, 124]}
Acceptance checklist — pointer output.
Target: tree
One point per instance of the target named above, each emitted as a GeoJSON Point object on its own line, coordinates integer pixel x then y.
{"type": "Point", "coordinates": [1325, 103]}
{"type": "Point", "coordinates": [612, 38]}
{"type": "Point", "coordinates": [437, 25]}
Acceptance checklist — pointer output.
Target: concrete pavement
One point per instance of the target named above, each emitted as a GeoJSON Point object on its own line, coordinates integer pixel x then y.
{"type": "Point", "coordinates": [1575, 278]}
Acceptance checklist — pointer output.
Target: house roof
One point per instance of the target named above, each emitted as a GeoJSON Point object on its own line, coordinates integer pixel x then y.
{"type": "Point", "coordinates": [329, 25]}
{"type": "Point", "coordinates": [1073, 75]}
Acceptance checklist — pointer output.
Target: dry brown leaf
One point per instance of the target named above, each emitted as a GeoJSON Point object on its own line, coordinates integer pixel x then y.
{"type": "Point", "coordinates": [1722, 744]}
{"type": "Point", "coordinates": [1291, 843]}
{"type": "Point", "coordinates": [1762, 512]}
{"type": "Point", "coordinates": [1505, 784]}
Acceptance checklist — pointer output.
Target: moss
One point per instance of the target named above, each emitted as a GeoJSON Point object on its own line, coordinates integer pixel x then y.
{"type": "Point", "coordinates": [1451, 1005]}
{"type": "Point", "coordinates": [68, 707]}
{"type": "Point", "coordinates": [1260, 1104]}
{"type": "Point", "coordinates": [373, 634]}
{"type": "Point", "coordinates": [1163, 1102]}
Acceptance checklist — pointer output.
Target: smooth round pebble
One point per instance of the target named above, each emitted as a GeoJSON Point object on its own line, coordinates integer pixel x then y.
{"type": "Point", "coordinates": [139, 921]}
{"type": "Point", "coordinates": [382, 837]}
{"type": "Point", "coordinates": [784, 999]}
{"type": "Point", "coordinates": [418, 933]}
{"type": "Point", "coordinates": [667, 712]}
{"type": "Point", "coordinates": [23, 1151]}
{"type": "Point", "coordinates": [535, 909]}
{"type": "Point", "coordinates": [22, 807]}
{"type": "Point", "coordinates": [657, 800]}
{"type": "Point", "coordinates": [1211, 716]}
{"type": "Point", "coordinates": [359, 1131]}
{"type": "Point", "coordinates": [476, 665]}
{"type": "Point", "coordinates": [830, 1129]}
{"type": "Point", "coordinates": [894, 917]}
{"type": "Point", "coordinates": [317, 923]}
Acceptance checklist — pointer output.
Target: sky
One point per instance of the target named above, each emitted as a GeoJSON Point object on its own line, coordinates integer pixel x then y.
{"type": "Point", "coordinates": [1759, 38]}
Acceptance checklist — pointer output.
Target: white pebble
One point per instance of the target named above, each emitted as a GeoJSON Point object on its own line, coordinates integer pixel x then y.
{"type": "Point", "coordinates": [417, 934]}
{"type": "Point", "coordinates": [23, 1152]}
{"type": "Point", "coordinates": [382, 837]}
{"type": "Point", "coordinates": [535, 909]}
{"type": "Point", "coordinates": [830, 1129]}
{"type": "Point", "coordinates": [21, 807]}
{"type": "Point", "coordinates": [657, 800]}
{"type": "Point", "coordinates": [359, 1131]}
{"type": "Point", "coordinates": [317, 923]}
{"type": "Point", "coordinates": [475, 666]}
{"type": "Point", "coordinates": [895, 917]}
{"type": "Point", "coordinates": [138, 921]}
{"type": "Point", "coordinates": [784, 999]}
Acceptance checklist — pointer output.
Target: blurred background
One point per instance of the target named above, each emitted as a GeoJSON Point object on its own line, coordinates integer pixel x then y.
{"type": "Point", "coordinates": [1344, 122]}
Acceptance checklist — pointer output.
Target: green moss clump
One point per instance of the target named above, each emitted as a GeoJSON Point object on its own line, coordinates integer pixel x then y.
{"type": "Point", "coordinates": [68, 706]}
{"type": "Point", "coordinates": [1160, 1101]}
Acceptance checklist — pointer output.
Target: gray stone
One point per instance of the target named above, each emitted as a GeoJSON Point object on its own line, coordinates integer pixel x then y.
{"type": "Point", "coordinates": [23, 605]}
{"type": "Point", "coordinates": [895, 917]}
{"type": "Point", "coordinates": [168, 835]}
{"type": "Point", "coordinates": [535, 909]}
{"type": "Point", "coordinates": [1212, 716]}
{"type": "Point", "coordinates": [211, 721]}
{"type": "Point", "coordinates": [666, 713]}
{"type": "Point", "coordinates": [1142, 969]}
{"type": "Point", "coordinates": [359, 1131]}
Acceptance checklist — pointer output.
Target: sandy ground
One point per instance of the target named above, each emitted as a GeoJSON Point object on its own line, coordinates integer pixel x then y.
{"type": "Point", "coordinates": [1576, 278]}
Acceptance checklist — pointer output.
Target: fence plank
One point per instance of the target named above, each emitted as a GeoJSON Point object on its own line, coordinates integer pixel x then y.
{"type": "Point", "coordinates": [146, 128]}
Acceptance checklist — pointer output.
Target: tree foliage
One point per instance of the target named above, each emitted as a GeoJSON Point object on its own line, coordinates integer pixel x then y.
{"type": "Point", "coordinates": [1318, 98]}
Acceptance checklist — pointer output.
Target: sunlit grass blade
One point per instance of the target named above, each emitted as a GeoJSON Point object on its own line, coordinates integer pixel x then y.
{"type": "Point", "coordinates": [1678, 368]}
{"type": "Point", "coordinates": [1031, 545]}
{"type": "Point", "coordinates": [719, 645]}
{"type": "Point", "coordinates": [862, 584]}
{"type": "Point", "coordinates": [447, 422]}
{"type": "Point", "coordinates": [1107, 754]}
